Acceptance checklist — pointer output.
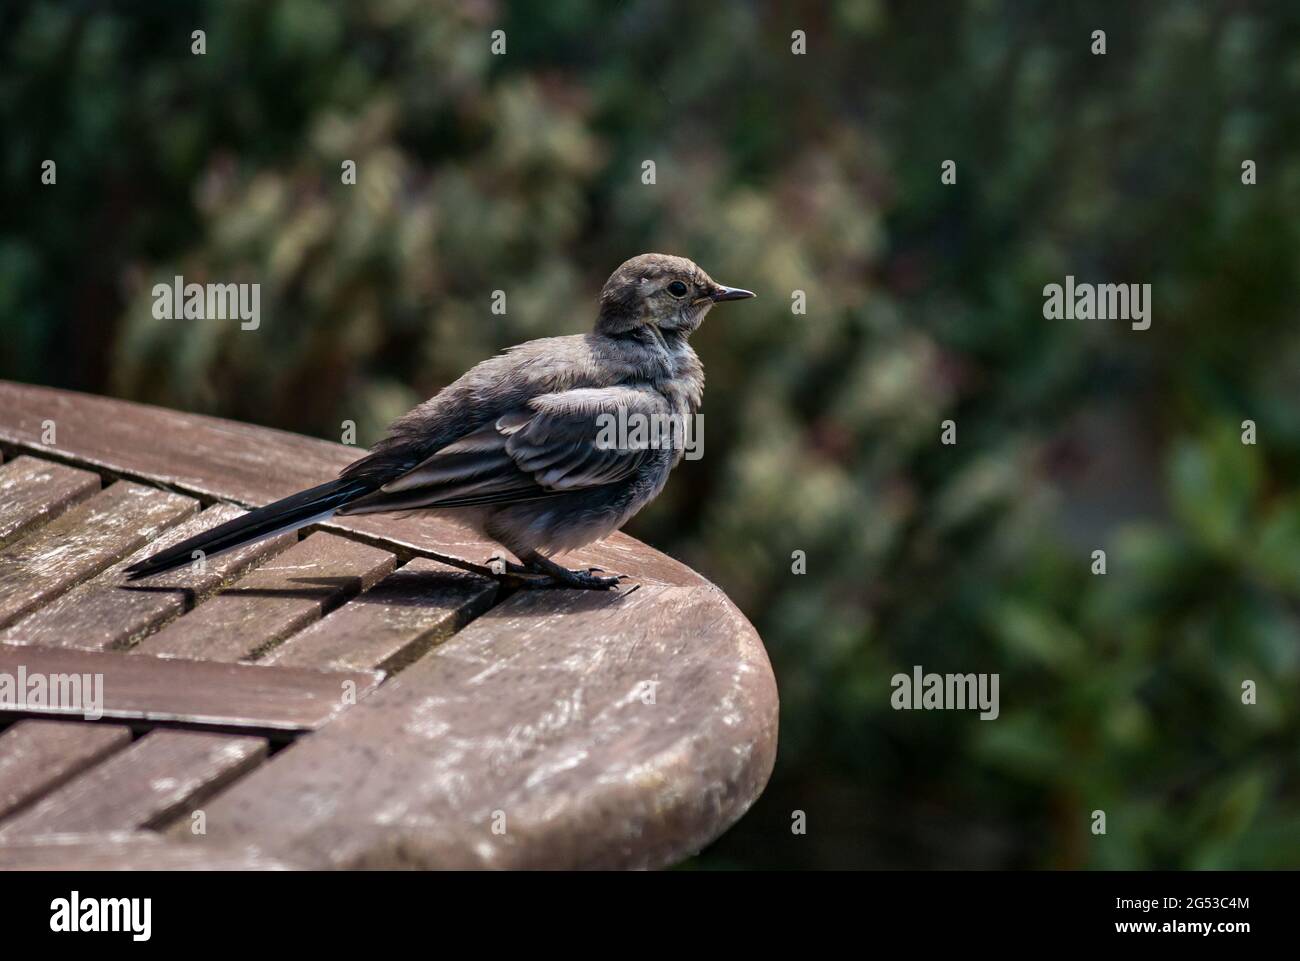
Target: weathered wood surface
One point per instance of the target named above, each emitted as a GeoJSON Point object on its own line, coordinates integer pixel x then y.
{"type": "Point", "coordinates": [252, 466]}
{"type": "Point", "coordinates": [152, 782]}
{"type": "Point", "coordinates": [607, 730]}
{"type": "Point", "coordinates": [602, 728]}
{"type": "Point", "coordinates": [82, 542]}
{"type": "Point", "coordinates": [285, 594]}
{"type": "Point", "coordinates": [238, 696]}
{"type": "Point", "coordinates": [127, 851]}
{"type": "Point", "coordinates": [393, 623]}
{"type": "Point", "coordinates": [34, 491]}
{"type": "Point", "coordinates": [110, 612]}
{"type": "Point", "coordinates": [38, 756]}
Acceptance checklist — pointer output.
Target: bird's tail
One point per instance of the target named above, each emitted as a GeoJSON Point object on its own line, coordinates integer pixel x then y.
{"type": "Point", "coordinates": [295, 511]}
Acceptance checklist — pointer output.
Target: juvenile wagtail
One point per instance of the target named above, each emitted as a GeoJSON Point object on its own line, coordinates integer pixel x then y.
{"type": "Point", "coordinates": [512, 449]}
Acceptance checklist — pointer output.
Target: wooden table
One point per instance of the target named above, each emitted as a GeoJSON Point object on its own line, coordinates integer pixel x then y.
{"type": "Point", "coordinates": [339, 698]}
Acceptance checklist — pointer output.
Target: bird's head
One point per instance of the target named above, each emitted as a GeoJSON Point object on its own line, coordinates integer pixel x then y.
{"type": "Point", "coordinates": [670, 293]}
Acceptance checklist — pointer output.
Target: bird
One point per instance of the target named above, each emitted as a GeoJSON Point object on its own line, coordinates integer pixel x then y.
{"type": "Point", "coordinates": [516, 448]}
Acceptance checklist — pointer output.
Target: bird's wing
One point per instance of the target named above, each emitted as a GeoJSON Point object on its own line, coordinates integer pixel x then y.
{"type": "Point", "coordinates": [555, 444]}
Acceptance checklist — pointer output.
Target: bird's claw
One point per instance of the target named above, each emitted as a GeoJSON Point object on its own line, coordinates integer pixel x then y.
{"type": "Point", "coordinates": [594, 582]}
{"type": "Point", "coordinates": [535, 575]}
{"type": "Point", "coordinates": [615, 577]}
{"type": "Point", "coordinates": [584, 580]}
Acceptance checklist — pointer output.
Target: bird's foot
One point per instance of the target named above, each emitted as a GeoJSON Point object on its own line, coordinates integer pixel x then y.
{"type": "Point", "coordinates": [509, 574]}
{"type": "Point", "coordinates": [587, 580]}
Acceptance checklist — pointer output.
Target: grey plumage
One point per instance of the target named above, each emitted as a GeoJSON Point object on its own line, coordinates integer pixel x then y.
{"type": "Point", "coordinates": [510, 448]}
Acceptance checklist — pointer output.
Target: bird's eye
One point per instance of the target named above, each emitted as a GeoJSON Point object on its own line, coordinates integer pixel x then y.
{"type": "Point", "coordinates": [677, 288]}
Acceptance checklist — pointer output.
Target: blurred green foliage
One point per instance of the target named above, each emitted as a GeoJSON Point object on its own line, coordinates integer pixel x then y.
{"type": "Point", "coordinates": [777, 172]}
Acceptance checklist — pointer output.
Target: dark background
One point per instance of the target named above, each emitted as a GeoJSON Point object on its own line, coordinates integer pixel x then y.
{"type": "Point", "coordinates": [776, 172]}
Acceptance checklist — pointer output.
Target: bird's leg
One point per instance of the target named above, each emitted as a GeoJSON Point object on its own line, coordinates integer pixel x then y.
{"type": "Point", "coordinates": [536, 572]}
{"type": "Point", "coordinates": [509, 574]}
{"type": "Point", "coordinates": [503, 571]}
{"type": "Point", "coordinates": [586, 580]}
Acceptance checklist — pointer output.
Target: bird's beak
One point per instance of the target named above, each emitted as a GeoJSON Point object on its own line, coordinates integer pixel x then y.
{"type": "Point", "coordinates": [730, 293]}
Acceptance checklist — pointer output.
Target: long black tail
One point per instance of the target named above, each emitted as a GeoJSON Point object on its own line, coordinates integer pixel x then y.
{"type": "Point", "coordinates": [294, 511]}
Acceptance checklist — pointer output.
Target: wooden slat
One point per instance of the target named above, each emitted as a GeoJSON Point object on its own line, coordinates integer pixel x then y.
{"type": "Point", "coordinates": [538, 709]}
{"type": "Point", "coordinates": [34, 492]}
{"type": "Point", "coordinates": [82, 542]}
{"type": "Point", "coordinates": [235, 696]}
{"type": "Point", "coordinates": [109, 611]}
{"type": "Point", "coordinates": [156, 779]}
{"type": "Point", "coordinates": [128, 851]}
{"type": "Point", "coordinates": [38, 756]}
{"type": "Point", "coordinates": [393, 623]}
{"type": "Point", "coordinates": [282, 596]}
{"type": "Point", "coordinates": [254, 465]}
